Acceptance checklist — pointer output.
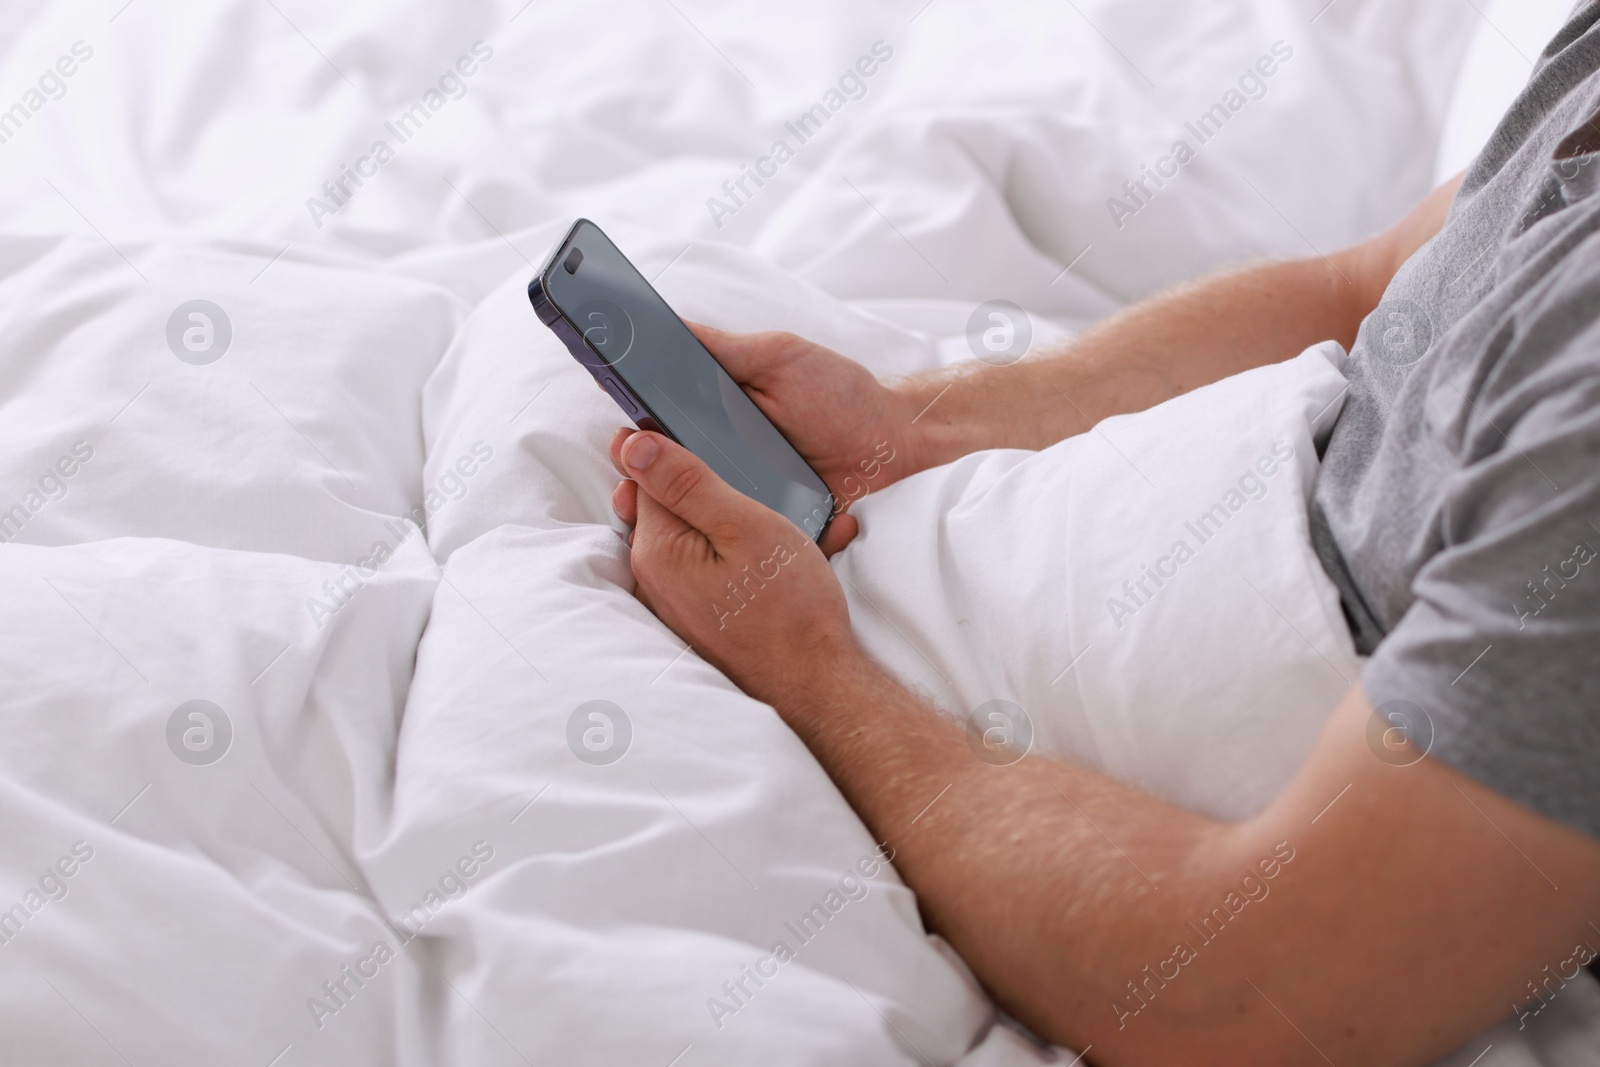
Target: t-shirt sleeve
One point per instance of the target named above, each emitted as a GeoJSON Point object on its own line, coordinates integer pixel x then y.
{"type": "Point", "coordinates": [1500, 650]}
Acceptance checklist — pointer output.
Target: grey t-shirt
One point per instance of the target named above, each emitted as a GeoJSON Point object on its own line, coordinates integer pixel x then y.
{"type": "Point", "coordinates": [1458, 504]}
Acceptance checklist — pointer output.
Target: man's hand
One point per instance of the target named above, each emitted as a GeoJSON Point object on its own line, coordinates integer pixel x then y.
{"type": "Point", "coordinates": [740, 583]}
{"type": "Point", "coordinates": [855, 431]}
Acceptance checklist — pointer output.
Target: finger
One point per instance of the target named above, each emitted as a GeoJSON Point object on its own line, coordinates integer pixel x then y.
{"type": "Point", "coordinates": [625, 501]}
{"type": "Point", "coordinates": [841, 531]}
{"type": "Point", "coordinates": [680, 481]}
{"type": "Point", "coordinates": [615, 448]}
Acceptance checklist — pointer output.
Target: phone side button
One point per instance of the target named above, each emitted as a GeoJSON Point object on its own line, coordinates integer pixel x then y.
{"type": "Point", "coordinates": [610, 385]}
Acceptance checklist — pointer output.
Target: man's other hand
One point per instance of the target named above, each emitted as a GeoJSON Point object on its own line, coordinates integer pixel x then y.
{"type": "Point", "coordinates": [740, 583]}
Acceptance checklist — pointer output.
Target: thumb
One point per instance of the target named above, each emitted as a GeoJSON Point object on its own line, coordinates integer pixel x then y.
{"type": "Point", "coordinates": [680, 481]}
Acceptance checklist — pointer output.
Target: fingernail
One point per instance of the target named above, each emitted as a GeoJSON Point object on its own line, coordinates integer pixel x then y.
{"type": "Point", "coordinates": [640, 452]}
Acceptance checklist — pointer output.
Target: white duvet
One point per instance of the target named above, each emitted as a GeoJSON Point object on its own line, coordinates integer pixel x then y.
{"type": "Point", "coordinates": [333, 732]}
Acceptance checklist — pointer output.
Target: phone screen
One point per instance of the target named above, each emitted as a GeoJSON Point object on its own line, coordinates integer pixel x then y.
{"type": "Point", "coordinates": [684, 388]}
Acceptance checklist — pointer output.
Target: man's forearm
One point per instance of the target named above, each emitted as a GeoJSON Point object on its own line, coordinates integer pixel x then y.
{"type": "Point", "coordinates": [1012, 863]}
{"type": "Point", "coordinates": [1170, 344]}
{"type": "Point", "coordinates": [1105, 917]}
{"type": "Point", "coordinates": [1174, 342]}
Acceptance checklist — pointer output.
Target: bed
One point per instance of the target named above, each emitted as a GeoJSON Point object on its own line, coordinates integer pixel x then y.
{"type": "Point", "coordinates": [333, 732]}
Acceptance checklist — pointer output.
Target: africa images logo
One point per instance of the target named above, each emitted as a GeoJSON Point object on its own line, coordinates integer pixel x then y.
{"type": "Point", "coordinates": [199, 732]}
{"type": "Point", "coordinates": [599, 732]}
{"type": "Point", "coordinates": [199, 332]}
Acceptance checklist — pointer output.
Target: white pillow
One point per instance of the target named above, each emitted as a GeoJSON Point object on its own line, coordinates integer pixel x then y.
{"type": "Point", "coordinates": [291, 425]}
{"type": "Point", "coordinates": [1146, 592]}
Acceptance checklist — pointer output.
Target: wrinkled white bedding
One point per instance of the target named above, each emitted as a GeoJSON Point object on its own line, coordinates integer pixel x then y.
{"type": "Point", "coordinates": [378, 842]}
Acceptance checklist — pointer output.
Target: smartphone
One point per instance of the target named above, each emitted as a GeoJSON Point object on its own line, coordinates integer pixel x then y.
{"type": "Point", "coordinates": [614, 323]}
